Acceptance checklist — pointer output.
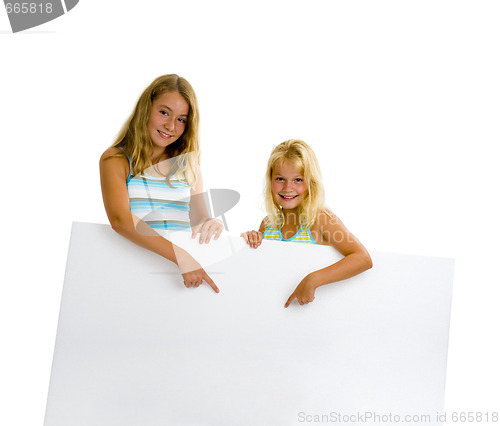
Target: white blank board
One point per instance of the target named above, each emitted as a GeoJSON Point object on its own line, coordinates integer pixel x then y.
{"type": "Point", "coordinates": [135, 347]}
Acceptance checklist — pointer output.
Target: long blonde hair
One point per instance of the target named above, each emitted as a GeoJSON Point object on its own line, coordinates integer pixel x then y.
{"type": "Point", "coordinates": [135, 140]}
{"type": "Point", "coordinates": [303, 158]}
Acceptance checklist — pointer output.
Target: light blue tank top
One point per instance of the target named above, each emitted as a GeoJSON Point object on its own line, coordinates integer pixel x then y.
{"type": "Point", "coordinates": [162, 207]}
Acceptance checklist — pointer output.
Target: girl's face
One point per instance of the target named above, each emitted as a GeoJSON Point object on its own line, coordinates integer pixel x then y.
{"type": "Point", "coordinates": [287, 185]}
{"type": "Point", "coordinates": [168, 119]}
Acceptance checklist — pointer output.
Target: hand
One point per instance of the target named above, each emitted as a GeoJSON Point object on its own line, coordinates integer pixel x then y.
{"type": "Point", "coordinates": [304, 293]}
{"type": "Point", "coordinates": [208, 228]}
{"type": "Point", "coordinates": [195, 278]}
{"type": "Point", "coordinates": [191, 271]}
{"type": "Point", "coordinates": [252, 238]}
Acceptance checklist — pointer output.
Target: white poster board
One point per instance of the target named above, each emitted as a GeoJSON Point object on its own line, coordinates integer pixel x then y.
{"type": "Point", "coordinates": [135, 347]}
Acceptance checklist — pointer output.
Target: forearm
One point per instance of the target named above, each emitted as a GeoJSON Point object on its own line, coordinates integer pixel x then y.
{"type": "Point", "coordinates": [198, 211]}
{"type": "Point", "coordinates": [114, 172]}
{"type": "Point", "coordinates": [351, 265]}
{"type": "Point", "coordinates": [143, 235]}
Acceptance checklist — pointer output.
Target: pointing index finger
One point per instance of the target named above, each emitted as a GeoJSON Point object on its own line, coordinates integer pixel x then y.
{"type": "Point", "coordinates": [210, 282]}
{"type": "Point", "coordinates": [290, 300]}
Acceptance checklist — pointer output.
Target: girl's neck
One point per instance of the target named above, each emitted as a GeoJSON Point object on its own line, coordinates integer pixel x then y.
{"type": "Point", "coordinates": [290, 217]}
{"type": "Point", "coordinates": [158, 156]}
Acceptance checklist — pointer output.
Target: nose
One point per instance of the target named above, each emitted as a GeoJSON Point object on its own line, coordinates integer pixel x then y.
{"type": "Point", "coordinates": [288, 185]}
{"type": "Point", "coordinates": [169, 124]}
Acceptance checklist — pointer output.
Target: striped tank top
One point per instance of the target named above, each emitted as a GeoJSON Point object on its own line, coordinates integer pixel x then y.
{"type": "Point", "coordinates": [302, 235]}
{"type": "Point", "coordinates": [162, 207]}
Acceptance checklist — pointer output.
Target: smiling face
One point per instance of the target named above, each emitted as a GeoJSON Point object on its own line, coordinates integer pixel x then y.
{"type": "Point", "coordinates": [168, 119]}
{"type": "Point", "coordinates": [287, 185]}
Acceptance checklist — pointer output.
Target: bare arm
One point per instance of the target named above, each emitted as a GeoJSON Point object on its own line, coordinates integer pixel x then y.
{"type": "Point", "coordinates": [331, 231]}
{"type": "Point", "coordinates": [201, 222]}
{"type": "Point", "coordinates": [114, 172]}
{"type": "Point", "coordinates": [356, 257]}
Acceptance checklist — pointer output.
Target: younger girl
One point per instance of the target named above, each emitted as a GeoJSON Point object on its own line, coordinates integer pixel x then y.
{"type": "Point", "coordinates": [150, 177]}
{"type": "Point", "coordinates": [294, 200]}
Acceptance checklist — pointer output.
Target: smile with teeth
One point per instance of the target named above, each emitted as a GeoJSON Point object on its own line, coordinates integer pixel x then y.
{"type": "Point", "coordinates": [288, 197]}
{"type": "Point", "coordinates": [164, 135]}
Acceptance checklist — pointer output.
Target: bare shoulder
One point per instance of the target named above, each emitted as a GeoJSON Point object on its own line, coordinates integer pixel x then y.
{"type": "Point", "coordinates": [326, 225]}
{"type": "Point", "coordinates": [326, 219]}
{"type": "Point", "coordinates": [114, 165]}
{"type": "Point", "coordinates": [264, 224]}
{"type": "Point", "coordinates": [110, 152]}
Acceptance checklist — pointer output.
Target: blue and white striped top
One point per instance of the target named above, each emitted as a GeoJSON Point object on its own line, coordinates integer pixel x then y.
{"type": "Point", "coordinates": [162, 207]}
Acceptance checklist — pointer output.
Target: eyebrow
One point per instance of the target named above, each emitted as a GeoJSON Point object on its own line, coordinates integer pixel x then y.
{"type": "Point", "coordinates": [294, 177]}
{"type": "Point", "coordinates": [170, 109]}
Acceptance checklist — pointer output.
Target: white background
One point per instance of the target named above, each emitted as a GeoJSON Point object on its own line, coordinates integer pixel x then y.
{"type": "Point", "coordinates": [399, 100]}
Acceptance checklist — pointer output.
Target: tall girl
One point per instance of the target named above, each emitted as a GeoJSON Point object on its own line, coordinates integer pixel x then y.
{"type": "Point", "coordinates": [150, 177]}
{"type": "Point", "coordinates": [294, 200]}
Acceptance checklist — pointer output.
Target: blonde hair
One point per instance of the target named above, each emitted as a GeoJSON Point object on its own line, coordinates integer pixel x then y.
{"type": "Point", "coordinates": [135, 140]}
{"type": "Point", "coordinates": [303, 158]}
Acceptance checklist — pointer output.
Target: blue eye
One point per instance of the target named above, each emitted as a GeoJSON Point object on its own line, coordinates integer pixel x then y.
{"type": "Point", "coordinates": [182, 120]}
{"type": "Point", "coordinates": [298, 180]}
{"type": "Point", "coordinates": [164, 112]}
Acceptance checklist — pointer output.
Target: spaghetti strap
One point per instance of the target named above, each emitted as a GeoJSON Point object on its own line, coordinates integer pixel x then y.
{"type": "Point", "coordinates": [129, 163]}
